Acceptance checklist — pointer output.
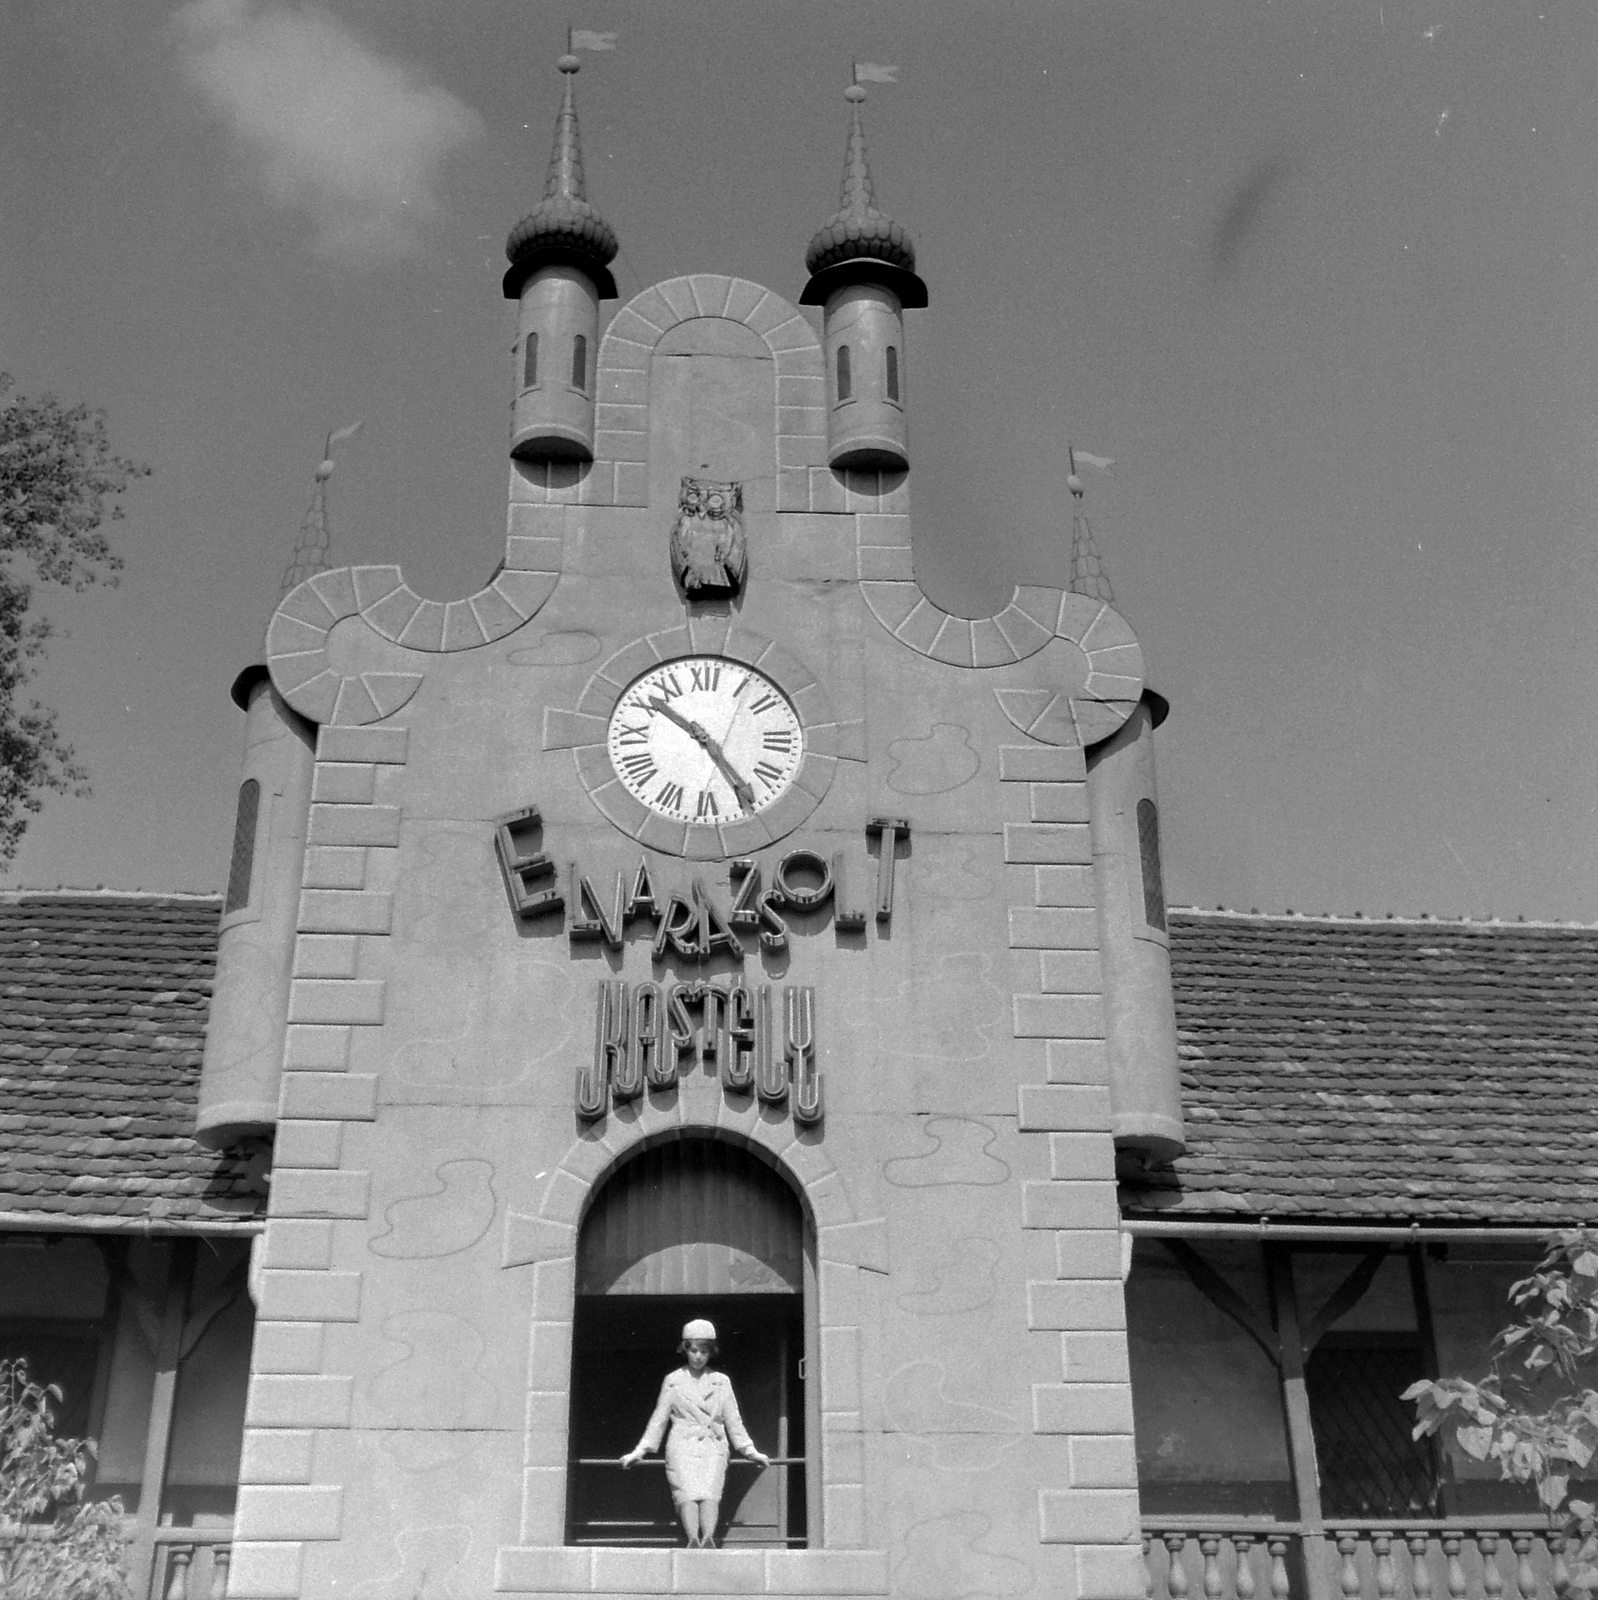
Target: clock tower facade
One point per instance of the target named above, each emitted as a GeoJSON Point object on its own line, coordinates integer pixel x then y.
{"type": "Point", "coordinates": [699, 922]}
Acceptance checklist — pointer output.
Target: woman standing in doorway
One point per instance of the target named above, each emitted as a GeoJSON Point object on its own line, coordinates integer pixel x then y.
{"type": "Point", "coordinates": [703, 1414]}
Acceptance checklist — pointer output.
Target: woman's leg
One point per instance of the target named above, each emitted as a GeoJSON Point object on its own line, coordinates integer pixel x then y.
{"type": "Point", "coordinates": [688, 1514]}
{"type": "Point", "coordinates": [709, 1510]}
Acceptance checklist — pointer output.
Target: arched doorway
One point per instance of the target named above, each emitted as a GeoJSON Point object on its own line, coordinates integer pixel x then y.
{"type": "Point", "coordinates": [694, 1227]}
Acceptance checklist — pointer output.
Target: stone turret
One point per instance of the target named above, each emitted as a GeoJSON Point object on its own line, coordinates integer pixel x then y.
{"type": "Point", "coordinates": [243, 1062]}
{"type": "Point", "coordinates": [1134, 943]}
{"type": "Point", "coordinates": [862, 269]}
{"type": "Point", "coordinates": [560, 255]}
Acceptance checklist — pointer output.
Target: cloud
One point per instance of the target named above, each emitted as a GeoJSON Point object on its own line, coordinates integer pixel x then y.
{"type": "Point", "coordinates": [350, 138]}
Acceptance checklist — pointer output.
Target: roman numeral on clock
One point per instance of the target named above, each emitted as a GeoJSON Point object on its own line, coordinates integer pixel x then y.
{"type": "Point", "coordinates": [669, 794]}
{"type": "Point", "coordinates": [767, 702]}
{"type": "Point", "coordinates": [772, 775]}
{"type": "Point", "coordinates": [706, 677]}
{"type": "Point", "coordinates": [779, 739]}
{"type": "Point", "coordinates": [639, 766]}
{"type": "Point", "coordinates": [632, 735]}
{"type": "Point", "coordinates": [707, 805]}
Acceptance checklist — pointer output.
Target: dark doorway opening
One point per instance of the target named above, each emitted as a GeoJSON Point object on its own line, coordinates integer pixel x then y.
{"type": "Point", "coordinates": [692, 1227]}
{"type": "Point", "coordinates": [625, 1345]}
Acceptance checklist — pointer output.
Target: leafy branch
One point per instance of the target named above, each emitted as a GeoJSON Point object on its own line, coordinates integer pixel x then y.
{"type": "Point", "coordinates": [53, 1546]}
{"type": "Point", "coordinates": [57, 475]}
{"type": "Point", "coordinates": [1535, 1412]}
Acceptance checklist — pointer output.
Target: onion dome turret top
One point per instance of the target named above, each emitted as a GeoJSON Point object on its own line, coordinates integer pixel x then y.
{"type": "Point", "coordinates": [563, 226]}
{"type": "Point", "coordinates": [860, 244]}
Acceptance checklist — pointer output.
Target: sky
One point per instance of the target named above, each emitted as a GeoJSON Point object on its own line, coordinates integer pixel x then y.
{"type": "Point", "coordinates": [1320, 275]}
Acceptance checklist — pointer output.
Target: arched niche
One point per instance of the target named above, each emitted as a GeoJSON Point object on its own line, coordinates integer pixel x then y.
{"type": "Point", "coordinates": [691, 1227]}
{"type": "Point", "coordinates": [712, 408]}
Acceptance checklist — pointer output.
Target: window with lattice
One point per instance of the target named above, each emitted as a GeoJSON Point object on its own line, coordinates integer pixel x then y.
{"type": "Point", "coordinates": [1369, 1464]}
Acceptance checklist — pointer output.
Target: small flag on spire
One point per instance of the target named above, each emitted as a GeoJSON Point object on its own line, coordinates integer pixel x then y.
{"type": "Point", "coordinates": [587, 39]}
{"type": "Point", "coordinates": [324, 469]}
{"type": "Point", "coordinates": [874, 72]}
{"type": "Point", "coordinates": [1075, 457]}
{"type": "Point", "coordinates": [310, 550]}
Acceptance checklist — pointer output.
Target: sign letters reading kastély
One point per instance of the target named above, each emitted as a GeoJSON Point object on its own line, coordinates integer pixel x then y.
{"type": "Point", "coordinates": [643, 1032]}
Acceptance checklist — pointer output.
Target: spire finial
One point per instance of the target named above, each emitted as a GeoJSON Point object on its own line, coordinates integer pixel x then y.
{"type": "Point", "coordinates": [1089, 575]}
{"type": "Point", "coordinates": [563, 226]}
{"type": "Point", "coordinates": [311, 548]}
{"type": "Point", "coordinates": [565, 175]}
{"type": "Point", "coordinates": [857, 196]}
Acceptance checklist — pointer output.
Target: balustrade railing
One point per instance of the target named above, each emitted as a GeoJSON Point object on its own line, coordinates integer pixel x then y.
{"type": "Point", "coordinates": [187, 1563]}
{"type": "Point", "coordinates": [191, 1564]}
{"type": "Point", "coordinates": [662, 1529]}
{"type": "Point", "coordinates": [1510, 1558]}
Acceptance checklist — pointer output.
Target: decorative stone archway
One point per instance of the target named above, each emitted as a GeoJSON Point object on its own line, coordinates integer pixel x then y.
{"type": "Point", "coordinates": [546, 1240]}
{"type": "Point", "coordinates": [619, 472]}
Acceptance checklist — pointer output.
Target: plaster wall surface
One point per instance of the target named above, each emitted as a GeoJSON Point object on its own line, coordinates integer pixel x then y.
{"type": "Point", "coordinates": [408, 1412]}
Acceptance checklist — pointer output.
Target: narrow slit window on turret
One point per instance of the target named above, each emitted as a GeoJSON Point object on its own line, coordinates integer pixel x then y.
{"type": "Point", "coordinates": [844, 386]}
{"type": "Point", "coordinates": [893, 372]}
{"type": "Point", "coordinates": [580, 362]}
{"type": "Point", "coordinates": [530, 362]}
{"type": "Point", "coordinates": [239, 869]}
{"type": "Point", "coordinates": [1148, 845]}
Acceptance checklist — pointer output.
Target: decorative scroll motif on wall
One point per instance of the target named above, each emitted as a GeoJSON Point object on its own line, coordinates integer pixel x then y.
{"type": "Point", "coordinates": [352, 691]}
{"type": "Point", "coordinates": [1101, 663]}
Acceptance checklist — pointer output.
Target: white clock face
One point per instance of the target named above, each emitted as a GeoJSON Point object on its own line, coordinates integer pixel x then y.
{"type": "Point", "coordinates": [704, 739]}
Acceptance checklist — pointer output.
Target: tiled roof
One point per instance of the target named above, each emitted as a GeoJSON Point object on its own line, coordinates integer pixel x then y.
{"type": "Point", "coordinates": [1333, 1070]}
{"type": "Point", "coordinates": [1412, 1071]}
{"type": "Point", "coordinates": [103, 1001]}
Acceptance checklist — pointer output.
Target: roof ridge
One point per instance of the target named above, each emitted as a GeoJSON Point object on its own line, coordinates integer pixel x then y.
{"type": "Point", "coordinates": [1352, 919]}
{"type": "Point", "coordinates": [62, 892]}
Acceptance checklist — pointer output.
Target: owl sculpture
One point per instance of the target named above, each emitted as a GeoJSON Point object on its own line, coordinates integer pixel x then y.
{"type": "Point", "coordinates": [708, 553]}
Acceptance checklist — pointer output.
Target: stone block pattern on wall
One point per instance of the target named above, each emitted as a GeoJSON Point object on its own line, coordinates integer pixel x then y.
{"type": "Point", "coordinates": [337, 986]}
{"type": "Point", "coordinates": [558, 1570]}
{"type": "Point", "coordinates": [1080, 1312]}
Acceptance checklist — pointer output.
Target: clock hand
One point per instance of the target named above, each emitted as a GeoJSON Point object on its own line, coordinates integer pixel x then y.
{"type": "Point", "coordinates": [737, 706]}
{"type": "Point", "coordinates": [663, 705]}
{"type": "Point", "coordinates": [740, 785]}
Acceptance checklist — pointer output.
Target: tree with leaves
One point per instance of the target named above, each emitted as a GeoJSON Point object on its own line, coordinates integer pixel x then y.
{"type": "Point", "coordinates": [59, 480]}
{"type": "Point", "coordinates": [1535, 1412]}
{"type": "Point", "coordinates": [53, 1544]}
